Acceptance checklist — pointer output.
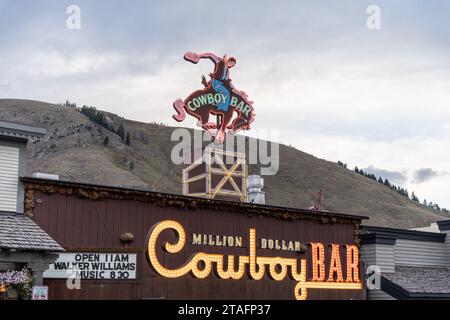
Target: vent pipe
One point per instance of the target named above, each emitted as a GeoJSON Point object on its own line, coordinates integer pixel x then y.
{"type": "Point", "coordinates": [45, 176]}
{"type": "Point", "coordinates": [255, 194]}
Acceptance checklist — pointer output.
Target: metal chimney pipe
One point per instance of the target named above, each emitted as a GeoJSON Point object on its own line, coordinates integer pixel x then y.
{"type": "Point", "coordinates": [254, 188]}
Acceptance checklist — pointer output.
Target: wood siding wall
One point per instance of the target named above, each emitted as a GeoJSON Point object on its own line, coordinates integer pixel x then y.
{"type": "Point", "coordinates": [83, 225]}
{"type": "Point", "coordinates": [447, 248]}
{"type": "Point", "coordinates": [419, 253]}
{"type": "Point", "coordinates": [379, 254]}
{"type": "Point", "coordinates": [9, 178]}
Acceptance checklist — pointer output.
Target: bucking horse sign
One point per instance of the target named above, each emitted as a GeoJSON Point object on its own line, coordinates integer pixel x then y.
{"type": "Point", "coordinates": [218, 98]}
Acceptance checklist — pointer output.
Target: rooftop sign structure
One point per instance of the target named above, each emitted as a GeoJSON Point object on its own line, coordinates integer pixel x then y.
{"type": "Point", "coordinates": [218, 97]}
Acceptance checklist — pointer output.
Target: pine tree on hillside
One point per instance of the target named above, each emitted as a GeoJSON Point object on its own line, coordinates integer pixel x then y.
{"type": "Point", "coordinates": [402, 191]}
{"type": "Point", "coordinates": [128, 140]}
{"type": "Point", "coordinates": [121, 132]}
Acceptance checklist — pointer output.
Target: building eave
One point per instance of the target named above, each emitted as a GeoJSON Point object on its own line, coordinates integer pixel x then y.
{"type": "Point", "coordinates": [382, 232]}
{"type": "Point", "coordinates": [400, 293]}
{"type": "Point", "coordinates": [20, 131]}
{"type": "Point", "coordinates": [97, 192]}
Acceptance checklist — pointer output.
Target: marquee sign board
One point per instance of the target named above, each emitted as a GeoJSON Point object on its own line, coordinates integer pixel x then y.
{"type": "Point", "coordinates": [94, 266]}
{"type": "Point", "coordinates": [328, 272]}
{"type": "Point", "coordinates": [219, 98]}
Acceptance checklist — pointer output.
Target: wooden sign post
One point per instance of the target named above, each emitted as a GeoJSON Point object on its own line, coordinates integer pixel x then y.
{"type": "Point", "coordinates": [218, 174]}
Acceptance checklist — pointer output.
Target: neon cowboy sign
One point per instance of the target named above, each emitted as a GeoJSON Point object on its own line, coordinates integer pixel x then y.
{"type": "Point", "coordinates": [218, 97]}
{"type": "Point", "coordinates": [278, 268]}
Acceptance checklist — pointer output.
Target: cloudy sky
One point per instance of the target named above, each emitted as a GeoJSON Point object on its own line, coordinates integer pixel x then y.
{"type": "Point", "coordinates": [378, 99]}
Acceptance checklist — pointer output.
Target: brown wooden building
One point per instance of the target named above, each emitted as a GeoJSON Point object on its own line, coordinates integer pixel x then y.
{"type": "Point", "coordinates": [89, 219]}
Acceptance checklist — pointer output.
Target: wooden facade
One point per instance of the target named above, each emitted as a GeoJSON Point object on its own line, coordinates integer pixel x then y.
{"type": "Point", "coordinates": [86, 218]}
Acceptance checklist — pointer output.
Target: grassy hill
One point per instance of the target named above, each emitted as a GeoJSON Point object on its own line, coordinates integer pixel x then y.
{"type": "Point", "coordinates": [74, 148]}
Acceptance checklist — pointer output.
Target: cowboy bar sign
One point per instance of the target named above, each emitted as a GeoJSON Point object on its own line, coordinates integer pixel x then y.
{"type": "Point", "coordinates": [219, 98]}
{"type": "Point", "coordinates": [329, 272]}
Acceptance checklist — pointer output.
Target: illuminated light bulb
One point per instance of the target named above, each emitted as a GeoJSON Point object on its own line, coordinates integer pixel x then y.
{"type": "Point", "coordinates": [318, 261]}
{"type": "Point", "coordinates": [335, 264]}
{"type": "Point", "coordinates": [253, 260]}
{"type": "Point", "coordinates": [282, 264]}
{"type": "Point", "coordinates": [352, 263]}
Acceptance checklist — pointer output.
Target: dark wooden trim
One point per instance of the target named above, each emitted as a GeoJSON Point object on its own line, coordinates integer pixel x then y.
{"type": "Point", "coordinates": [106, 250]}
{"type": "Point", "coordinates": [444, 225]}
{"type": "Point", "coordinates": [374, 238]}
{"type": "Point", "coordinates": [405, 234]}
{"type": "Point", "coordinates": [98, 193]}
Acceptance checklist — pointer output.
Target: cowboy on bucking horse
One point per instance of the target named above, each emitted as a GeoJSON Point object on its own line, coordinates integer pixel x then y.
{"type": "Point", "coordinates": [219, 98]}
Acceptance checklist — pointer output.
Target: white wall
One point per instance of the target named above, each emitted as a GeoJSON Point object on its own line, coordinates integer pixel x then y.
{"type": "Point", "coordinates": [9, 178]}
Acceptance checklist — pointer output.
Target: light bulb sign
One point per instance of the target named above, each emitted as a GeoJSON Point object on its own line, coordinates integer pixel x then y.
{"type": "Point", "coordinates": [329, 272]}
{"type": "Point", "coordinates": [233, 109]}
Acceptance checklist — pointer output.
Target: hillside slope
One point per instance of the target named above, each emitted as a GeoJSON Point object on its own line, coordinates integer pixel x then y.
{"type": "Point", "coordinates": [74, 148]}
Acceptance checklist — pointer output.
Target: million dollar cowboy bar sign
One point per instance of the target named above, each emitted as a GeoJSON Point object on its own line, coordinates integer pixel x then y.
{"type": "Point", "coordinates": [327, 270]}
{"type": "Point", "coordinates": [194, 248]}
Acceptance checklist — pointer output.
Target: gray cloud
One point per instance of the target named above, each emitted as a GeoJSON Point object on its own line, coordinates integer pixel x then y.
{"type": "Point", "coordinates": [396, 177]}
{"type": "Point", "coordinates": [425, 174]}
{"type": "Point", "coordinates": [313, 69]}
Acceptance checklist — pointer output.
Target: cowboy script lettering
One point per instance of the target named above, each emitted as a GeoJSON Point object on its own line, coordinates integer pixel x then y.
{"type": "Point", "coordinates": [232, 108]}
{"type": "Point", "coordinates": [201, 265]}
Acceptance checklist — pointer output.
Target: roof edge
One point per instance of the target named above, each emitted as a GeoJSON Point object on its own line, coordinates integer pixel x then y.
{"type": "Point", "coordinates": [375, 238]}
{"type": "Point", "coordinates": [206, 202]}
{"type": "Point", "coordinates": [12, 129]}
{"type": "Point", "coordinates": [444, 225]}
{"type": "Point", "coordinates": [405, 234]}
{"type": "Point", "coordinates": [400, 293]}
{"type": "Point", "coordinates": [52, 246]}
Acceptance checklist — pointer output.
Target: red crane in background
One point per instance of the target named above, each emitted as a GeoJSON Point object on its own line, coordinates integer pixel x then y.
{"type": "Point", "coordinates": [318, 202]}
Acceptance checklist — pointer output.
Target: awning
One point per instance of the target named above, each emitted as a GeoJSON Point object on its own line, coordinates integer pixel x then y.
{"type": "Point", "coordinates": [20, 233]}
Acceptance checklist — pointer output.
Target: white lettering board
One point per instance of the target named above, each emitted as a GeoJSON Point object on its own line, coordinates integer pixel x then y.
{"type": "Point", "coordinates": [93, 266]}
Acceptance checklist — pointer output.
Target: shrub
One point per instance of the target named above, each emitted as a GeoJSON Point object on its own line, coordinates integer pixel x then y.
{"type": "Point", "coordinates": [20, 281]}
